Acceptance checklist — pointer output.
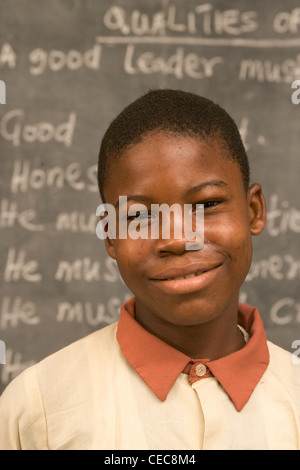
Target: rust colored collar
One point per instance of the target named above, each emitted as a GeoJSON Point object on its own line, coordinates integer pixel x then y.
{"type": "Point", "coordinates": [159, 364]}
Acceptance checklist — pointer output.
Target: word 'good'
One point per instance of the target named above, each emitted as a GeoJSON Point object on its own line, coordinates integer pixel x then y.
{"type": "Point", "coordinates": [13, 130]}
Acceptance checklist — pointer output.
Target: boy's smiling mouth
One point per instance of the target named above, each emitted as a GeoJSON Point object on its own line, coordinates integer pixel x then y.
{"type": "Point", "coordinates": [186, 271]}
{"type": "Point", "coordinates": [186, 279]}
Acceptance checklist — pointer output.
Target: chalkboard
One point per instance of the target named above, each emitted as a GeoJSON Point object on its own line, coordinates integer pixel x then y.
{"type": "Point", "coordinates": [68, 68]}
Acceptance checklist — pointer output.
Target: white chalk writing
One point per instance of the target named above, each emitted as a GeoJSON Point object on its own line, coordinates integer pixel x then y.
{"type": "Point", "coordinates": [285, 311]}
{"type": "Point", "coordinates": [17, 268]}
{"type": "Point", "coordinates": [13, 366]}
{"type": "Point", "coordinates": [14, 312]}
{"type": "Point", "coordinates": [13, 130]}
{"type": "Point", "coordinates": [85, 269]}
{"type": "Point", "coordinates": [203, 18]}
{"type": "Point", "coordinates": [56, 60]}
{"type": "Point", "coordinates": [270, 71]}
{"type": "Point", "coordinates": [85, 312]}
{"type": "Point", "coordinates": [8, 56]}
{"type": "Point", "coordinates": [275, 267]}
{"type": "Point", "coordinates": [287, 22]}
{"type": "Point", "coordinates": [282, 217]}
{"type": "Point", "coordinates": [25, 178]}
{"type": "Point", "coordinates": [76, 222]}
{"type": "Point", "coordinates": [9, 215]}
{"type": "Point", "coordinates": [180, 64]}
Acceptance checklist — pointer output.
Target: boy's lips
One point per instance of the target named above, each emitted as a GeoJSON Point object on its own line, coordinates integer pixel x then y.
{"type": "Point", "coordinates": [189, 270]}
{"type": "Point", "coordinates": [186, 279]}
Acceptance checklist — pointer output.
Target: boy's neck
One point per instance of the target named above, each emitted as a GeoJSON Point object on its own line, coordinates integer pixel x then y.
{"type": "Point", "coordinates": [211, 340]}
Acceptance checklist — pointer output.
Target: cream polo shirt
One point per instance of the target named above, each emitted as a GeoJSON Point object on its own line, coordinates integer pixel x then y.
{"type": "Point", "coordinates": [121, 388]}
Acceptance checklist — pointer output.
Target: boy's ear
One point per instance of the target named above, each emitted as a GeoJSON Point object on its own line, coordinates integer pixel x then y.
{"type": "Point", "coordinates": [257, 209]}
{"type": "Point", "coordinates": [110, 247]}
{"type": "Point", "coordinates": [109, 242]}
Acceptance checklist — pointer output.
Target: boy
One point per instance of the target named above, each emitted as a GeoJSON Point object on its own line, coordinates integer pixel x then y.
{"type": "Point", "coordinates": [186, 366]}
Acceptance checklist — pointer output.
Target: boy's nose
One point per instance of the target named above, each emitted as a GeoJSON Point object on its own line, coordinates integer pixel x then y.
{"type": "Point", "coordinates": [178, 236]}
{"type": "Point", "coordinates": [178, 245]}
{"type": "Point", "coordinates": [171, 245]}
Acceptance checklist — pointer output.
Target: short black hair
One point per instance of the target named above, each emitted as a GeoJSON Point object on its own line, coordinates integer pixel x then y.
{"type": "Point", "coordinates": [171, 112]}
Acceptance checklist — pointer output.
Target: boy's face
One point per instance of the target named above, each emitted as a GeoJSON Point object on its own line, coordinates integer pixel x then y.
{"type": "Point", "coordinates": [177, 169]}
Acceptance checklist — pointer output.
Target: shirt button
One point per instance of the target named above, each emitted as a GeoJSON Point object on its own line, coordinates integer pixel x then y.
{"type": "Point", "coordinates": [200, 370]}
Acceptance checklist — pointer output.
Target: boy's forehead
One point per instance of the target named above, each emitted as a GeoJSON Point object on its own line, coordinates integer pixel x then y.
{"type": "Point", "coordinates": [158, 147]}
{"type": "Point", "coordinates": [176, 156]}
{"type": "Point", "coordinates": [164, 163]}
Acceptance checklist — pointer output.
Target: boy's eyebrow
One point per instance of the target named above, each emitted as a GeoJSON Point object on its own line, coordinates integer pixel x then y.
{"type": "Point", "coordinates": [199, 187]}
{"type": "Point", "coordinates": [134, 197]}
{"type": "Point", "coordinates": [194, 189]}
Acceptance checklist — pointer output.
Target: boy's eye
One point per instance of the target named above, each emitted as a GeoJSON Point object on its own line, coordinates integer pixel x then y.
{"type": "Point", "coordinates": [149, 215]}
{"type": "Point", "coordinates": [209, 204]}
{"type": "Point", "coordinates": [139, 215]}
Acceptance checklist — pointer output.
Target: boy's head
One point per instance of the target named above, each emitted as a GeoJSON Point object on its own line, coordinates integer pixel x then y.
{"type": "Point", "coordinates": [171, 147]}
{"type": "Point", "coordinates": [171, 112]}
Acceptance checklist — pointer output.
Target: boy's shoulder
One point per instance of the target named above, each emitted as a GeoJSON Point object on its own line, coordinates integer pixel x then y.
{"type": "Point", "coordinates": [59, 388]}
{"type": "Point", "coordinates": [285, 365]}
{"type": "Point", "coordinates": [70, 362]}
{"type": "Point", "coordinates": [95, 340]}
{"type": "Point", "coordinates": [281, 355]}
{"type": "Point", "coordinates": [73, 356]}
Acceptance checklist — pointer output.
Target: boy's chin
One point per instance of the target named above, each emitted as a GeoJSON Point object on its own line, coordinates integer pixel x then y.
{"type": "Point", "coordinates": [189, 312]}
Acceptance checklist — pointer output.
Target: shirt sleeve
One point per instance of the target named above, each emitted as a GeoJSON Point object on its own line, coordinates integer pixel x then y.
{"type": "Point", "coordinates": [22, 417]}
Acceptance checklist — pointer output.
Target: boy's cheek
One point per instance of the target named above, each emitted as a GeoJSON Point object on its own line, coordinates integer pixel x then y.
{"type": "Point", "coordinates": [131, 255]}
{"type": "Point", "coordinates": [227, 233]}
{"type": "Point", "coordinates": [234, 240]}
